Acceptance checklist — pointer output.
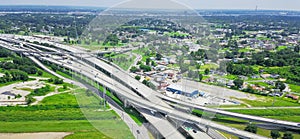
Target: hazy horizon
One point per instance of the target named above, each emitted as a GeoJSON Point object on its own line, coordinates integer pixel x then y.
{"type": "Point", "coordinates": [200, 5]}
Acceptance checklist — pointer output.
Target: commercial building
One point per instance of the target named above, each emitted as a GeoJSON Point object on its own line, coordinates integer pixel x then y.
{"type": "Point", "coordinates": [186, 91]}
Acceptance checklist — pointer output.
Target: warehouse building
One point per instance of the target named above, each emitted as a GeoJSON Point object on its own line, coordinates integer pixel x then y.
{"type": "Point", "coordinates": [186, 91]}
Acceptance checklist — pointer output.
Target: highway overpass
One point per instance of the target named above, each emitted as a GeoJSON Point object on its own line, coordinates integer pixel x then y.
{"type": "Point", "coordinates": [137, 102]}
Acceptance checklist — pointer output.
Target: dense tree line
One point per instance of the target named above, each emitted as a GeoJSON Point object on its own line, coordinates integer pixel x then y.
{"type": "Point", "coordinates": [111, 39]}
{"type": "Point", "coordinates": [156, 24]}
{"type": "Point", "coordinates": [198, 55]}
{"type": "Point", "coordinates": [239, 69]}
{"type": "Point", "coordinates": [145, 68]}
{"type": "Point", "coordinates": [5, 53]}
{"type": "Point", "coordinates": [14, 75]}
{"type": "Point", "coordinates": [41, 91]}
{"type": "Point", "coordinates": [23, 64]}
{"type": "Point", "coordinates": [149, 84]}
{"type": "Point", "coordinates": [285, 57]}
{"type": "Point", "coordinates": [57, 24]}
{"type": "Point", "coordinates": [291, 24]}
{"type": "Point", "coordinates": [292, 74]}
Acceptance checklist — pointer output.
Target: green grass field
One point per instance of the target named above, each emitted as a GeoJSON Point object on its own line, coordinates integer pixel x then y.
{"type": "Point", "coordinates": [281, 48]}
{"type": "Point", "coordinates": [260, 131]}
{"type": "Point", "coordinates": [123, 60]}
{"type": "Point", "coordinates": [267, 101]}
{"type": "Point", "coordinates": [247, 49]}
{"type": "Point", "coordinates": [133, 113]}
{"type": "Point", "coordinates": [271, 112]}
{"type": "Point", "coordinates": [210, 66]}
{"type": "Point", "coordinates": [4, 59]}
{"type": "Point", "coordinates": [294, 88]}
{"type": "Point", "coordinates": [65, 113]}
{"type": "Point", "coordinates": [241, 124]}
{"type": "Point", "coordinates": [13, 82]}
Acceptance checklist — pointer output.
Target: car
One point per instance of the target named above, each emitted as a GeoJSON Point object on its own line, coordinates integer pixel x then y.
{"type": "Point", "coordinates": [194, 131]}
{"type": "Point", "coordinates": [138, 131]}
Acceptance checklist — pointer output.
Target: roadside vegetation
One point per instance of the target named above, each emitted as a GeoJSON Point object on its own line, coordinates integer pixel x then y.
{"type": "Point", "coordinates": [122, 60]}
{"type": "Point", "coordinates": [133, 113]}
{"type": "Point", "coordinates": [244, 124]}
{"type": "Point", "coordinates": [62, 113]}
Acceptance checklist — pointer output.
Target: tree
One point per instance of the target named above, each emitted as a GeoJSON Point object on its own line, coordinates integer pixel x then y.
{"type": "Point", "coordinates": [65, 86]}
{"type": "Point", "coordinates": [287, 135]}
{"type": "Point", "coordinates": [29, 99]}
{"type": "Point", "coordinates": [153, 63]}
{"type": "Point", "coordinates": [58, 81]}
{"type": "Point", "coordinates": [206, 71]}
{"type": "Point", "coordinates": [148, 61]}
{"type": "Point", "coordinates": [183, 68]}
{"type": "Point", "coordinates": [275, 134]}
{"type": "Point", "coordinates": [198, 66]}
{"type": "Point", "coordinates": [40, 73]}
{"type": "Point", "coordinates": [238, 83]}
{"type": "Point", "coordinates": [192, 74]}
{"type": "Point", "coordinates": [50, 80]}
{"type": "Point", "coordinates": [133, 69]}
{"type": "Point", "coordinates": [145, 68]}
{"type": "Point", "coordinates": [145, 82]}
{"type": "Point", "coordinates": [138, 77]}
{"type": "Point", "coordinates": [18, 96]}
{"type": "Point", "coordinates": [158, 56]}
{"type": "Point", "coordinates": [297, 48]}
{"type": "Point", "coordinates": [19, 75]}
{"type": "Point", "coordinates": [111, 39]}
{"type": "Point", "coordinates": [229, 55]}
{"type": "Point", "coordinates": [280, 85]}
{"type": "Point", "coordinates": [251, 128]}
{"type": "Point", "coordinates": [200, 77]}
{"type": "Point", "coordinates": [232, 43]}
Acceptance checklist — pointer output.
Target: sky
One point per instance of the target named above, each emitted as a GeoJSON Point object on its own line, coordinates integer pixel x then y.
{"type": "Point", "coordinates": [194, 4]}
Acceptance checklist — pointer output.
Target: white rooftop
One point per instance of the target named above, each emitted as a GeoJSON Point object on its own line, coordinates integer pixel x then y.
{"type": "Point", "coordinates": [182, 88]}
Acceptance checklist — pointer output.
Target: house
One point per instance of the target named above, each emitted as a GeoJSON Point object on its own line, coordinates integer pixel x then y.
{"type": "Point", "coordinates": [254, 87]}
{"type": "Point", "coordinates": [275, 76]}
{"type": "Point", "coordinates": [210, 79]}
{"type": "Point", "coordinates": [7, 94]}
{"type": "Point", "coordinates": [265, 75]}
{"type": "Point", "coordinates": [254, 76]}
{"type": "Point", "coordinates": [160, 68]}
{"type": "Point", "coordinates": [282, 79]}
{"type": "Point", "coordinates": [230, 83]}
{"type": "Point", "coordinates": [294, 97]}
{"type": "Point", "coordinates": [169, 75]}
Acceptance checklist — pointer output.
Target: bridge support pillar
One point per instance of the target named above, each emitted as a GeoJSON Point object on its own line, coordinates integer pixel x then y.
{"type": "Point", "coordinates": [125, 103]}
{"type": "Point", "coordinates": [207, 129]}
{"type": "Point", "coordinates": [74, 73]}
{"type": "Point", "coordinates": [104, 92]}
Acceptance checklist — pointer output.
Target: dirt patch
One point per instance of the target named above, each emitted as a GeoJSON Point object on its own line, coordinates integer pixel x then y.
{"type": "Point", "coordinates": [41, 135]}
